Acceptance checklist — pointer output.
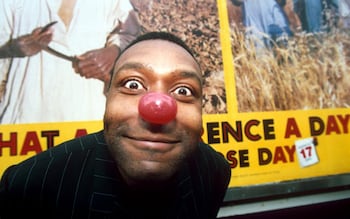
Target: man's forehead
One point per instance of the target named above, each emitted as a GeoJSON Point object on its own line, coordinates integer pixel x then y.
{"type": "Point", "coordinates": [153, 43]}
{"type": "Point", "coordinates": [166, 51]}
{"type": "Point", "coordinates": [164, 42]}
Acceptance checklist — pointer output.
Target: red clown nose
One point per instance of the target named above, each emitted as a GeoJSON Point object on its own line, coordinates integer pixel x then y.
{"type": "Point", "coordinates": [157, 108]}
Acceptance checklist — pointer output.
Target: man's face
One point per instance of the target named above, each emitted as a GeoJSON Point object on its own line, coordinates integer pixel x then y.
{"type": "Point", "coordinates": [146, 152]}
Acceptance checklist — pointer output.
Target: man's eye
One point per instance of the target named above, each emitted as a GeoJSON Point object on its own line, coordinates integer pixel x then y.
{"type": "Point", "coordinates": [133, 84]}
{"type": "Point", "coordinates": [184, 91]}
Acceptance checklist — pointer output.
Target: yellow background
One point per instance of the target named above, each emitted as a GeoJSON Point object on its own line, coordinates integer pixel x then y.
{"type": "Point", "coordinates": [333, 150]}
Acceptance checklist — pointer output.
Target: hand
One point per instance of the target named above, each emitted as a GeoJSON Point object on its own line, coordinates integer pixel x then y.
{"type": "Point", "coordinates": [31, 44]}
{"type": "Point", "coordinates": [97, 63]}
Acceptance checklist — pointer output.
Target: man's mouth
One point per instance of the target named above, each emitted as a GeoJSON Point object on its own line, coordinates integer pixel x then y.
{"type": "Point", "coordinates": [156, 144]}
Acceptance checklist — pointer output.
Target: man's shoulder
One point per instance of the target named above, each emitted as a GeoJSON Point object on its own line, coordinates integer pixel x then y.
{"type": "Point", "coordinates": [37, 181]}
{"type": "Point", "coordinates": [207, 151]}
{"type": "Point", "coordinates": [208, 159]}
{"type": "Point", "coordinates": [210, 172]}
{"type": "Point", "coordinates": [77, 147]}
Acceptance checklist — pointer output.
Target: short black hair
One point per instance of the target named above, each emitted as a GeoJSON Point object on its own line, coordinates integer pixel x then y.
{"type": "Point", "coordinates": [160, 35]}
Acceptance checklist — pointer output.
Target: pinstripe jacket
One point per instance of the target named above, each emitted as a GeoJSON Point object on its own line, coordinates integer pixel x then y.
{"type": "Point", "coordinates": [79, 179]}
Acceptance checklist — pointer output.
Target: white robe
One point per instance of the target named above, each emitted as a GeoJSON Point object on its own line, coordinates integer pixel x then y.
{"type": "Point", "coordinates": [43, 87]}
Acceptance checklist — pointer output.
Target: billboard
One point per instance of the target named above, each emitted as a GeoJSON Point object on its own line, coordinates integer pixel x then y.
{"type": "Point", "coordinates": [276, 92]}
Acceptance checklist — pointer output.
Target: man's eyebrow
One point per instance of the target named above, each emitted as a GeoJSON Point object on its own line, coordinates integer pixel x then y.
{"type": "Point", "coordinates": [190, 74]}
{"type": "Point", "coordinates": [137, 65]}
{"type": "Point", "coordinates": [132, 65]}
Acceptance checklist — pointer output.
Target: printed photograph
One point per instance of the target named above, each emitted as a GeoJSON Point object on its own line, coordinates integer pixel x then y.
{"type": "Point", "coordinates": [290, 54]}
{"type": "Point", "coordinates": [55, 64]}
{"type": "Point", "coordinates": [196, 22]}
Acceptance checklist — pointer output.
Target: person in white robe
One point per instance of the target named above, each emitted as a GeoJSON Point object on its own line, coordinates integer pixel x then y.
{"type": "Point", "coordinates": [38, 86]}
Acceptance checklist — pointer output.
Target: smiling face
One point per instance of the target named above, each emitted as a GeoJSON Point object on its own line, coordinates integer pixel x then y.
{"type": "Point", "coordinates": [145, 152]}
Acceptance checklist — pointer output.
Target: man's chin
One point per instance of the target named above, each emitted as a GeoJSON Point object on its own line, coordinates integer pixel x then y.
{"type": "Point", "coordinates": [150, 174]}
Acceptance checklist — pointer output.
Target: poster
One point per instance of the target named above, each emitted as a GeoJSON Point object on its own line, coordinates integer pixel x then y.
{"type": "Point", "coordinates": [276, 103]}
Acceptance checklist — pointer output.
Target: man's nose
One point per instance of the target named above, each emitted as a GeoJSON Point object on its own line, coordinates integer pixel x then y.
{"type": "Point", "coordinates": [157, 108]}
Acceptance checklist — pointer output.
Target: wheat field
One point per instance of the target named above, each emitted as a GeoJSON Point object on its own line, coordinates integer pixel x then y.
{"type": "Point", "coordinates": [311, 72]}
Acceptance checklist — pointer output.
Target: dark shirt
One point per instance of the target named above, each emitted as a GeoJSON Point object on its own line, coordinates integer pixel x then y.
{"type": "Point", "coordinates": [79, 179]}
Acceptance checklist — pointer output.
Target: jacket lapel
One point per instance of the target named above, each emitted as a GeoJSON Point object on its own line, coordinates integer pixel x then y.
{"type": "Point", "coordinates": [187, 206]}
{"type": "Point", "coordinates": [107, 184]}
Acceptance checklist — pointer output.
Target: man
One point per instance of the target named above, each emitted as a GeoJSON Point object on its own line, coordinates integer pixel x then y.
{"type": "Point", "coordinates": [264, 20]}
{"type": "Point", "coordinates": [39, 85]}
{"type": "Point", "coordinates": [310, 14]}
{"type": "Point", "coordinates": [141, 165]}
